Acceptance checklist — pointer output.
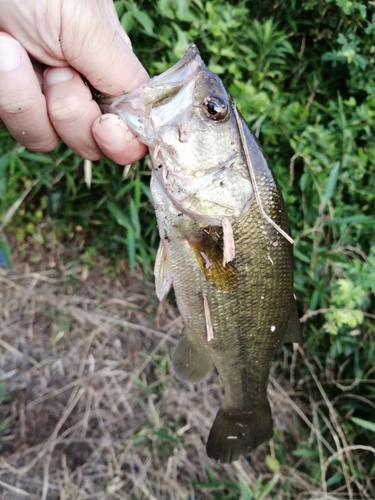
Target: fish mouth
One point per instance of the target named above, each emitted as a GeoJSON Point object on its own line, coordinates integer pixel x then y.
{"type": "Point", "coordinates": [191, 56]}
{"type": "Point", "coordinates": [154, 98]}
{"type": "Point", "coordinates": [164, 87]}
{"type": "Point", "coordinates": [167, 100]}
{"type": "Point", "coordinates": [160, 89]}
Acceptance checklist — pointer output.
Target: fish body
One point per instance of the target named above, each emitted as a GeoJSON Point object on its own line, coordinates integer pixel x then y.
{"type": "Point", "coordinates": [232, 271]}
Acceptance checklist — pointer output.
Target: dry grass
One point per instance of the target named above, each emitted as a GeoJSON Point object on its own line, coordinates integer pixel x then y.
{"type": "Point", "coordinates": [94, 411]}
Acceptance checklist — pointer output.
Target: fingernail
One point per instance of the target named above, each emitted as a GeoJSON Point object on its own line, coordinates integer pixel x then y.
{"type": "Point", "coordinates": [10, 54]}
{"type": "Point", "coordinates": [111, 131]}
{"type": "Point", "coordinates": [58, 75]}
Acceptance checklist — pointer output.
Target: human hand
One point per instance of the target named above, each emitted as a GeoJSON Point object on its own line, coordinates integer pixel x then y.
{"type": "Point", "coordinates": [71, 39]}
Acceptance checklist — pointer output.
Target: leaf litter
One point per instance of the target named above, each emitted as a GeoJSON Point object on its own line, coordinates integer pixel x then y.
{"type": "Point", "coordinates": [93, 410]}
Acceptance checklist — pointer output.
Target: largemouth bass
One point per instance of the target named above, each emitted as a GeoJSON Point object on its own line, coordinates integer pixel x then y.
{"type": "Point", "coordinates": [225, 243]}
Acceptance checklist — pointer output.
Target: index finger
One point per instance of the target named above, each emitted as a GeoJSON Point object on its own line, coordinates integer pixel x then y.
{"type": "Point", "coordinates": [99, 48]}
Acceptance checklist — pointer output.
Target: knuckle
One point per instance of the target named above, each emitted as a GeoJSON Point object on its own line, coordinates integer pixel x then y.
{"type": "Point", "coordinates": [66, 109]}
{"type": "Point", "coordinates": [43, 147]}
{"type": "Point", "coordinates": [27, 121]}
{"type": "Point", "coordinates": [93, 155]}
{"type": "Point", "coordinates": [10, 108]}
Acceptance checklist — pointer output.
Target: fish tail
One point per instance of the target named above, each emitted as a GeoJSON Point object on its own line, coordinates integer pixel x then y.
{"type": "Point", "coordinates": [235, 431]}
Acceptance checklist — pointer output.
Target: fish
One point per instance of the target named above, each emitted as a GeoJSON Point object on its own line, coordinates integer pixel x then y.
{"type": "Point", "coordinates": [225, 243]}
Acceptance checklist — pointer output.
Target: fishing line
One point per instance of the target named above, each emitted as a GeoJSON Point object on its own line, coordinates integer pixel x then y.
{"type": "Point", "coordinates": [253, 179]}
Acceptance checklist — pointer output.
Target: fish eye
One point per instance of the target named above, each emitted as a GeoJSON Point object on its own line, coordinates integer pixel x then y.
{"type": "Point", "coordinates": [215, 108]}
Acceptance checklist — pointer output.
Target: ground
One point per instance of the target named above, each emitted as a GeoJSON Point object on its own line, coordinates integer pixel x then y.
{"type": "Point", "coordinates": [91, 408]}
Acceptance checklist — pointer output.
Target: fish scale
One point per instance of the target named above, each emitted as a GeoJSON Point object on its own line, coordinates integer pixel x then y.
{"type": "Point", "coordinates": [225, 243]}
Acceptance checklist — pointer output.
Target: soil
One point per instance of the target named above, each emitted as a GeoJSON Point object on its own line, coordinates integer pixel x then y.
{"type": "Point", "coordinates": [91, 409]}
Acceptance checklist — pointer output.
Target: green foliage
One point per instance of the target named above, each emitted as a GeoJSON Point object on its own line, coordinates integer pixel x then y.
{"type": "Point", "coordinates": [365, 424]}
{"type": "Point", "coordinates": [4, 398]}
{"type": "Point", "coordinates": [303, 76]}
{"type": "Point", "coordinates": [240, 490]}
{"type": "Point", "coordinates": [5, 251]}
{"type": "Point", "coordinates": [59, 204]}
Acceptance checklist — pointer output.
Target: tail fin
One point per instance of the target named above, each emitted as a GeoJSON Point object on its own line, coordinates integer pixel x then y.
{"type": "Point", "coordinates": [236, 431]}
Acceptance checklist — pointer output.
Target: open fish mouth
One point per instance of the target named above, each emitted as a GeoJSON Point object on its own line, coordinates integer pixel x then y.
{"type": "Point", "coordinates": [164, 87]}
{"type": "Point", "coordinates": [159, 91]}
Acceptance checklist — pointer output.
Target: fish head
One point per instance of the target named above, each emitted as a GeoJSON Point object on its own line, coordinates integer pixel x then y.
{"type": "Point", "coordinates": [165, 100]}
{"type": "Point", "coordinates": [186, 118]}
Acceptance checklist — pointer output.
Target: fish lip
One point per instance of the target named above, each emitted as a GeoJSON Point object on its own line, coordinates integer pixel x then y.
{"type": "Point", "coordinates": [165, 86]}
{"type": "Point", "coordinates": [191, 54]}
{"type": "Point", "coordinates": [157, 91]}
{"type": "Point", "coordinates": [173, 78]}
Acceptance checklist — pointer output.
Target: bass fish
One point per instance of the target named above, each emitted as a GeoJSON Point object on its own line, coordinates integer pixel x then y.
{"type": "Point", "coordinates": [225, 243]}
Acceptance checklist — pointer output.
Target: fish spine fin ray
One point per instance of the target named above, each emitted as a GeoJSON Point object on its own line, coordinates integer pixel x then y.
{"type": "Point", "coordinates": [234, 432]}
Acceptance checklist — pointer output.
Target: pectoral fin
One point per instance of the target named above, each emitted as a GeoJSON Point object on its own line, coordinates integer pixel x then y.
{"type": "Point", "coordinates": [163, 278]}
{"type": "Point", "coordinates": [189, 363]}
{"type": "Point", "coordinates": [294, 330]}
{"type": "Point", "coordinates": [209, 255]}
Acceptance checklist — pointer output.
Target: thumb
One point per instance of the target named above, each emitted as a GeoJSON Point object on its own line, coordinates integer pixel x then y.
{"type": "Point", "coordinates": [95, 44]}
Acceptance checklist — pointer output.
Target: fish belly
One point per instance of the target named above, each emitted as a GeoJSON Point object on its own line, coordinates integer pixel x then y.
{"type": "Point", "coordinates": [247, 322]}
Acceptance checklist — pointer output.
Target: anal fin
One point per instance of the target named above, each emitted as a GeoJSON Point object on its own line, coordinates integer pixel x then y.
{"type": "Point", "coordinates": [293, 331]}
{"type": "Point", "coordinates": [189, 363]}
